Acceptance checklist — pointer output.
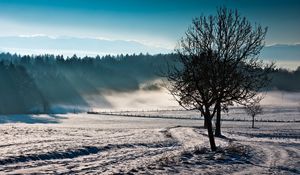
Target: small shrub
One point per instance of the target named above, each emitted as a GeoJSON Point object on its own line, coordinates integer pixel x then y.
{"type": "Point", "coordinates": [200, 150]}
{"type": "Point", "coordinates": [236, 149]}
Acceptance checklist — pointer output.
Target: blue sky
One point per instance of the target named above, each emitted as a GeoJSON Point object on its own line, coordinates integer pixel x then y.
{"type": "Point", "coordinates": [152, 22]}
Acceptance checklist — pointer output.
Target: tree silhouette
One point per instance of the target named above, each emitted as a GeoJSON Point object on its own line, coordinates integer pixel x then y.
{"type": "Point", "coordinates": [218, 65]}
{"type": "Point", "coordinates": [254, 108]}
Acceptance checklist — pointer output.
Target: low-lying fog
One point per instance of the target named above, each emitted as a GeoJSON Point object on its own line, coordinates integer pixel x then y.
{"type": "Point", "coordinates": [162, 99]}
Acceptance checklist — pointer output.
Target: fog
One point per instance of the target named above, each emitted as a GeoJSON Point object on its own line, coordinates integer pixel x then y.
{"type": "Point", "coordinates": [282, 98]}
{"type": "Point", "coordinates": [162, 99]}
{"type": "Point", "coordinates": [141, 100]}
{"type": "Point", "coordinates": [54, 84]}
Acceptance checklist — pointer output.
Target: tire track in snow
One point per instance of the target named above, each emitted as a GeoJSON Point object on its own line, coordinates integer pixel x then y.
{"type": "Point", "coordinates": [185, 138]}
{"type": "Point", "coordinates": [275, 159]}
{"type": "Point", "coordinates": [114, 157]}
{"type": "Point", "coordinates": [123, 162]}
{"type": "Point", "coordinates": [84, 151]}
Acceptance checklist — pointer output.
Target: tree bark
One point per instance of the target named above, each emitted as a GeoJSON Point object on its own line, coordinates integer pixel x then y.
{"type": "Point", "coordinates": [218, 121]}
{"type": "Point", "coordinates": [210, 134]}
{"type": "Point", "coordinates": [252, 121]}
{"type": "Point", "coordinates": [205, 124]}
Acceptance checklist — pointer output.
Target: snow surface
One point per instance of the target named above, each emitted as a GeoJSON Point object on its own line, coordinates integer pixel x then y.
{"type": "Point", "coordinates": [116, 144]}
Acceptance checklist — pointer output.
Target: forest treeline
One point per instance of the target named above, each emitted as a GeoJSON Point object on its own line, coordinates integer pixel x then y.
{"type": "Point", "coordinates": [35, 83]}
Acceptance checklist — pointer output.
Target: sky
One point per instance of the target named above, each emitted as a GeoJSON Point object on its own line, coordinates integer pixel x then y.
{"type": "Point", "coordinates": [155, 23]}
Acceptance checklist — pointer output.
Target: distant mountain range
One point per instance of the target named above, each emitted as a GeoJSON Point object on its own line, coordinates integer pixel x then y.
{"type": "Point", "coordinates": [90, 46]}
{"type": "Point", "coordinates": [71, 45]}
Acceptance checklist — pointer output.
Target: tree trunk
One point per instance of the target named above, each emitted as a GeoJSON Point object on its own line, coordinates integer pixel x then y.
{"type": "Point", "coordinates": [218, 121]}
{"type": "Point", "coordinates": [252, 121]}
{"type": "Point", "coordinates": [205, 124]}
{"type": "Point", "coordinates": [210, 134]}
{"type": "Point", "coordinates": [46, 106]}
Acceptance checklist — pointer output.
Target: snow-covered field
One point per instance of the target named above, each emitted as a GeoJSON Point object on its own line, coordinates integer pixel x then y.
{"type": "Point", "coordinates": [109, 144]}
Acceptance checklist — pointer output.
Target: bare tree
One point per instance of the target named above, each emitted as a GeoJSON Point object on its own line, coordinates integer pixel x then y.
{"type": "Point", "coordinates": [191, 86]}
{"type": "Point", "coordinates": [254, 108]}
{"type": "Point", "coordinates": [218, 65]}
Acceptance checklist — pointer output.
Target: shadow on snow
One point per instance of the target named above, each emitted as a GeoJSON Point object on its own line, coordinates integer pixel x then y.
{"type": "Point", "coordinates": [30, 119]}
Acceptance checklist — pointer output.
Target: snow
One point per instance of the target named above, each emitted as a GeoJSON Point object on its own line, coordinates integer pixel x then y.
{"type": "Point", "coordinates": [150, 142]}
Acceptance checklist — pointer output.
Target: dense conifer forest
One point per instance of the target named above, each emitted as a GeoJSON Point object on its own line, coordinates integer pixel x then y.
{"type": "Point", "coordinates": [34, 83]}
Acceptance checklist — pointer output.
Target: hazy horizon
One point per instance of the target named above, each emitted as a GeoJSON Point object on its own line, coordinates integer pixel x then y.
{"type": "Point", "coordinates": [120, 27]}
{"type": "Point", "coordinates": [284, 55]}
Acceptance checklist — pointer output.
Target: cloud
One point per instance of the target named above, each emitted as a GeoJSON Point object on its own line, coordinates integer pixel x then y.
{"type": "Point", "coordinates": [42, 44]}
{"type": "Point", "coordinates": [37, 35]}
{"type": "Point", "coordinates": [281, 52]}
